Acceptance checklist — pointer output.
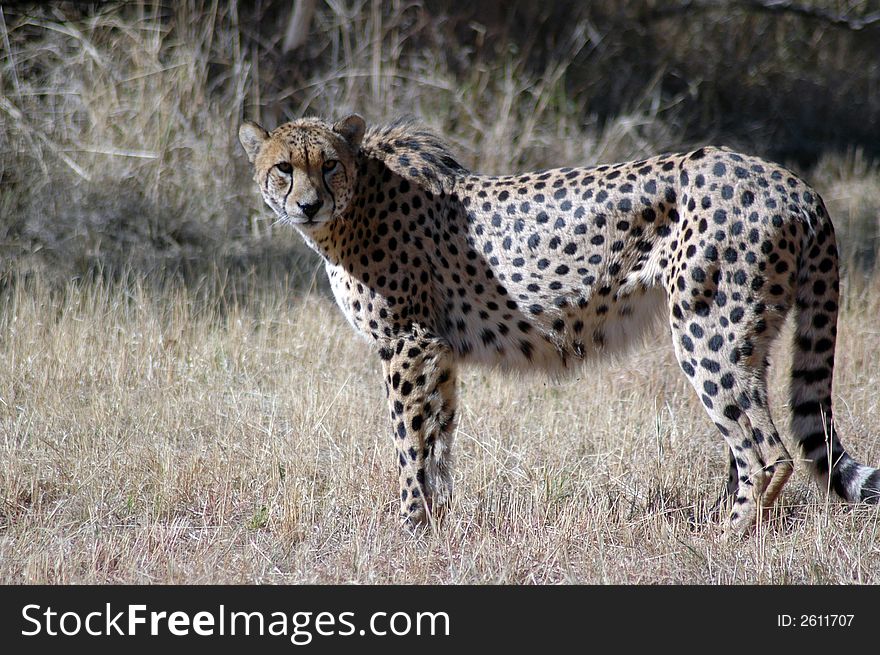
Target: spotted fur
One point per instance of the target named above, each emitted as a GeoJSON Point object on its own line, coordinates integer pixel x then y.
{"type": "Point", "coordinates": [437, 265]}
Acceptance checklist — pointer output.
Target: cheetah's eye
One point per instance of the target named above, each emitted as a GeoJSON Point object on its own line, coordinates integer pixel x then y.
{"type": "Point", "coordinates": [285, 167]}
{"type": "Point", "coordinates": [329, 166]}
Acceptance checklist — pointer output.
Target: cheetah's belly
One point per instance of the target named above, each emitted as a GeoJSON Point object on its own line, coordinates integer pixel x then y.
{"type": "Point", "coordinates": [559, 336]}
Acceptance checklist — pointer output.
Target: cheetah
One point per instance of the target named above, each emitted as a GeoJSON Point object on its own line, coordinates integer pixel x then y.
{"type": "Point", "coordinates": [439, 266]}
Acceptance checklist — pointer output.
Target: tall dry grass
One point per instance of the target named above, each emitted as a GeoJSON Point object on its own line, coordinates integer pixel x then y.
{"type": "Point", "coordinates": [115, 147]}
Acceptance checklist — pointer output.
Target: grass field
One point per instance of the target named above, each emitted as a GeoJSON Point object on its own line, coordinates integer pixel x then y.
{"type": "Point", "coordinates": [162, 435]}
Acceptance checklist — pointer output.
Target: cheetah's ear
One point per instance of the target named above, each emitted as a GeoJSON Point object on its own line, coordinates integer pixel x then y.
{"type": "Point", "coordinates": [351, 129]}
{"type": "Point", "coordinates": [252, 137]}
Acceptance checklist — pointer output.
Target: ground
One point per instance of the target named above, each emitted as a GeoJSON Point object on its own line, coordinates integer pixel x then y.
{"type": "Point", "coordinates": [156, 436]}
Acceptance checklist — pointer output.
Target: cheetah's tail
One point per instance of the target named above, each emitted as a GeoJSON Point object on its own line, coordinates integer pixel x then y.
{"type": "Point", "coordinates": [816, 307]}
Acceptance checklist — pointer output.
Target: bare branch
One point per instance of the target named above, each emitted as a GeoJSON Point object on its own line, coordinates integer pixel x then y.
{"type": "Point", "coordinates": [824, 15]}
{"type": "Point", "coordinates": [854, 23]}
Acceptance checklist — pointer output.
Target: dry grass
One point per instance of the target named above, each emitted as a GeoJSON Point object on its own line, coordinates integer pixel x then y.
{"type": "Point", "coordinates": [162, 436]}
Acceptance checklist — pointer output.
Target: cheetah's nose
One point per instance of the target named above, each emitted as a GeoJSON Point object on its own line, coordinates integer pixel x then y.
{"type": "Point", "coordinates": [311, 209]}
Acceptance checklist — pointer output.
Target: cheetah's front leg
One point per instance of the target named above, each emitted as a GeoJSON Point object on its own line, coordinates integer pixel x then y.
{"type": "Point", "coordinates": [420, 385]}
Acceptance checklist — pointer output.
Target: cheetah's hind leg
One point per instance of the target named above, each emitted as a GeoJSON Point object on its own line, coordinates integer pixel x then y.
{"type": "Point", "coordinates": [729, 375]}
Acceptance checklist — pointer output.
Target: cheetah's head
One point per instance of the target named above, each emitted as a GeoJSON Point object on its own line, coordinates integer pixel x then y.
{"type": "Point", "coordinates": [306, 169]}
